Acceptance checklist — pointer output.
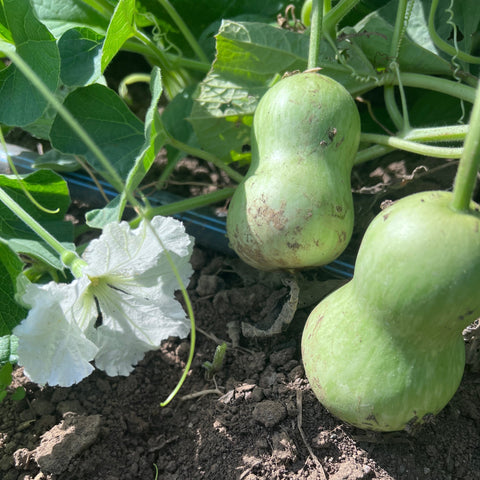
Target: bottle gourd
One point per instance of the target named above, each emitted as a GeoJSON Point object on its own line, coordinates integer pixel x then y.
{"type": "Point", "coordinates": [386, 351]}
{"type": "Point", "coordinates": [294, 208]}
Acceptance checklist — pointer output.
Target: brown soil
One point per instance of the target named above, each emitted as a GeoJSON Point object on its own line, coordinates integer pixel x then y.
{"type": "Point", "coordinates": [258, 418]}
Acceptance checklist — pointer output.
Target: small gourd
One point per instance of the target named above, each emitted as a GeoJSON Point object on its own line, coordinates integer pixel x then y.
{"type": "Point", "coordinates": [386, 351]}
{"type": "Point", "coordinates": [294, 208]}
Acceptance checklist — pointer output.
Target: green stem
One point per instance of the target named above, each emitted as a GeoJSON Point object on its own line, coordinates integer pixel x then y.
{"type": "Point", "coordinates": [184, 29]}
{"type": "Point", "coordinates": [399, 118]}
{"type": "Point", "coordinates": [442, 44]}
{"type": "Point", "coordinates": [417, 80]}
{"type": "Point", "coordinates": [69, 258]}
{"type": "Point", "coordinates": [399, 29]}
{"type": "Point", "coordinates": [199, 153]}
{"type": "Point", "coordinates": [413, 147]}
{"type": "Point", "coordinates": [135, 46]}
{"type": "Point", "coordinates": [450, 133]}
{"type": "Point", "coordinates": [469, 162]}
{"type": "Point", "coordinates": [161, 59]}
{"type": "Point", "coordinates": [315, 34]}
{"type": "Point", "coordinates": [333, 17]}
{"type": "Point", "coordinates": [392, 108]}
{"type": "Point", "coordinates": [187, 204]}
{"type": "Point", "coordinates": [191, 352]}
{"type": "Point", "coordinates": [370, 153]}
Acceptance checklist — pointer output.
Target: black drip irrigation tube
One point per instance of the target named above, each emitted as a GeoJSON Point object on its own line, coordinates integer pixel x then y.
{"type": "Point", "coordinates": [204, 224]}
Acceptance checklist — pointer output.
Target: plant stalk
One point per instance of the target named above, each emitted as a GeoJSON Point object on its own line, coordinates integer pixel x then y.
{"type": "Point", "coordinates": [333, 17]}
{"type": "Point", "coordinates": [418, 80]}
{"type": "Point", "coordinates": [184, 29]}
{"type": "Point", "coordinates": [187, 204]}
{"type": "Point", "coordinates": [413, 147]}
{"type": "Point", "coordinates": [469, 162]}
{"type": "Point", "coordinates": [69, 258]}
{"type": "Point", "coordinates": [315, 34]}
{"type": "Point", "coordinates": [136, 46]}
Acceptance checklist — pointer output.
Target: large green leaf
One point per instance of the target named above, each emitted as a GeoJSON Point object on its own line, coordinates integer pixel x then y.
{"type": "Point", "coordinates": [108, 121]}
{"type": "Point", "coordinates": [81, 51]}
{"type": "Point", "coordinates": [62, 15]}
{"type": "Point", "coordinates": [120, 29]}
{"type": "Point", "coordinates": [373, 34]}
{"type": "Point", "coordinates": [20, 102]}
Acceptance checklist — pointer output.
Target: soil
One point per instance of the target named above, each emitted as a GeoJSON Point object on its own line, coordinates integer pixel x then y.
{"type": "Point", "coordinates": [257, 418]}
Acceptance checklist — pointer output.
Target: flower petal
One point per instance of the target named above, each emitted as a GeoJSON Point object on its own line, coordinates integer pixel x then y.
{"type": "Point", "coordinates": [51, 346]}
{"type": "Point", "coordinates": [133, 325]}
{"type": "Point", "coordinates": [122, 251]}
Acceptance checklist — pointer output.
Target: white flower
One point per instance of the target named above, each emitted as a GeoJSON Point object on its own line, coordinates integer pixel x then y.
{"type": "Point", "coordinates": [122, 306]}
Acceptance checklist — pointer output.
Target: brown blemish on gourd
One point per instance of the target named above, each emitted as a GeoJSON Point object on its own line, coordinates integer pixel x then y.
{"type": "Point", "coordinates": [266, 214]}
{"type": "Point", "coordinates": [293, 245]}
{"type": "Point", "coordinates": [342, 237]}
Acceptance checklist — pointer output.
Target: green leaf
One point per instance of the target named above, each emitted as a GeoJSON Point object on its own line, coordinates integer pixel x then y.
{"type": "Point", "coordinates": [120, 29]}
{"type": "Point", "coordinates": [175, 120]}
{"type": "Point", "coordinates": [10, 312]}
{"type": "Point", "coordinates": [6, 375]}
{"type": "Point", "coordinates": [203, 16]}
{"type": "Point", "coordinates": [62, 16]}
{"type": "Point", "coordinates": [20, 102]}
{"type": "Point", "coordinates": [8, 349]}
{"type": "Point", "coordinates": [18, 394]}
{"type": "Point", "coordinates": [373, 34]}
{"type": "Point", "coordinates": [81, 51]}
{"type": "Point", "coordinates": [50, 191]}
{"type": "Point", "coordinates": [108, 121]}
{"type": "Point", "coordinates": [40, 128]}
{"type": "Point", "coordinates": [55, 160]}
{"type": "Point", "coordinates": [154, 138]}
{"type": "Point", "coordinates": [99, 217]}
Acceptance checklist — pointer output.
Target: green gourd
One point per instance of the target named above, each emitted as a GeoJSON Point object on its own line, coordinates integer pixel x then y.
{"type": "Point", "coordinates": [386, 351]}
{"type": "Point", "coordinates": [294, 208]}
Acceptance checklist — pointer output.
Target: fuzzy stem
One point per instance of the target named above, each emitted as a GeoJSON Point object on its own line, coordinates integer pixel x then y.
{"type": "Point", "coordinates": [136, 46]}
{"type": "Point", "coordinates": [315, 34]}
{"type": "Point", "coordinates": [184, 29]}
{"type": "Point", "coordinates": [417, 80]}
{"type": "Point", "coordinates": [69, 258]}
{"type": "Point", "coordinates": [469, 162]}
{"type": "Point", "coordinates": [413, 147]}
{"type": "Point", "coordinates": [333, 17]}
{"type": "Point", "coordinates": [187, 204]}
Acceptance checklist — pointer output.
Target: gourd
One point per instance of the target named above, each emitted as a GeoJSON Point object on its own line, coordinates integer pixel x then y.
{"type": "Point", "coordinates": [294, 208]}
{"type": "Point", "coordinates": [385, 351]}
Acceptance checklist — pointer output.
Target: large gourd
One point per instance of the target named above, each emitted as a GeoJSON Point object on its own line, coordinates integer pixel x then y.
{"type": "Point", "coordinates": [294, 208]}
{"type": "Point", "coordinates": [386, 349]}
